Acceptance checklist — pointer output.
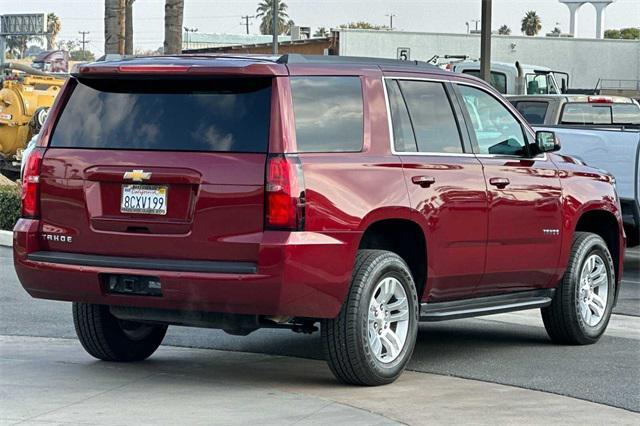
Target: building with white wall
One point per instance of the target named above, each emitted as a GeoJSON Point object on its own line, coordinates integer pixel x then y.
{"type": "Point", "coordinates": [586, 60]}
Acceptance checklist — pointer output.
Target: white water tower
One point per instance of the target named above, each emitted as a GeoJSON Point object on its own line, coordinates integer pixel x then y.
{"type": "Point", "coordinates": [574, 5]}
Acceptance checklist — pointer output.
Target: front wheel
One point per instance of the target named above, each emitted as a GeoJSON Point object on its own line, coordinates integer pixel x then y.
{"type": "Point", "coordinates": [582, 304]}
{"type": "Point", "coordinates": [373, 337]}
{"type": "Point", "coordinates": [107, 338]}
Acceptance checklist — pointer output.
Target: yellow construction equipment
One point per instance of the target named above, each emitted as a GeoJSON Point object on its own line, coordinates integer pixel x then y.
{"type": "Point", "coordinates": [24, 103]}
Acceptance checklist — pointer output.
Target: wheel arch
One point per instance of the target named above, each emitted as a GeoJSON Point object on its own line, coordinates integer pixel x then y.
{"type": "Point", "coordinates": [404, 237]}
{"type": "Point", "coordinates": [604, 223]}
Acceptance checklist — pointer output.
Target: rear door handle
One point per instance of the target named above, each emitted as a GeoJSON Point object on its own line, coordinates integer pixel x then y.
{"type": "Point", "coordinates": [499, 182]}
{"type": "Point", "coordinates": [423, 181]}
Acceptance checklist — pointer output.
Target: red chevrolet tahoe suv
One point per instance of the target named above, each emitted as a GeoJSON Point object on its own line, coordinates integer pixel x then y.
{"type": "Point", "coordinates": [259, 191]}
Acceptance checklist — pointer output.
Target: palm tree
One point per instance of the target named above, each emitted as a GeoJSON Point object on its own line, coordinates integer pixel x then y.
{"type": "Point", "coordinates": [53, 29]}
{"type": "Point", "coordinates": [173, 16]}
{"type": "Point", "coordinates": [114, 26]}
{"type": "Point", "coordinates": [128, 27]}
{"type": "Point", "coordinates": [531, 23]}
{"type": "Point", "coordinates": [504, 30]}
{"type": "Point", "coordinates": [13, 45]}
{"type": "Point", "coordinates": [290, 24]}
{"type": "Point", "coordinates": [264, 11]}
{"type": "Point", "coordinates": [17, 44]}
{"type": "Point", "coordinates": [321, 32]}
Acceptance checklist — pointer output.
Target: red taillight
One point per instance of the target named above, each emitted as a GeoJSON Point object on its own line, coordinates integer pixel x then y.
{"type": "Point", "coordinates": [31, 184]}
{"type": "Point", "coordinates": [600, 100]}
{"type": "Point", "coordinates": [285, 194]}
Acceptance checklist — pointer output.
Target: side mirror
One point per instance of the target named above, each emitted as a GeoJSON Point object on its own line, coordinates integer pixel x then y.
{"type": "Point", "coordinates": [547, 141]}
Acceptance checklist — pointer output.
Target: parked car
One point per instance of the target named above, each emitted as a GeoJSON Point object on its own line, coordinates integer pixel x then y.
{"type": "Point", "coordinates": [602, 131]}
{"type": "Point", "coordinates": [365, 195]}
{"type": "Point", "coordinates": [578, 110]}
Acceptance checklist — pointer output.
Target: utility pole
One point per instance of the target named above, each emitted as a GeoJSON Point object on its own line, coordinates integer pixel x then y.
{"type": "Point", "coordinates": [246, 21]}
{"type": "Point", "coordinates": [476, 21]}
{"type": "Point", "coordinates": [84, 41]}
{"type": "Point", "coordinates": [485, 42]}
{"type": "Point", "coordinates": [391, 15]}
{"type": "Point", "coordinates": [274, 26]}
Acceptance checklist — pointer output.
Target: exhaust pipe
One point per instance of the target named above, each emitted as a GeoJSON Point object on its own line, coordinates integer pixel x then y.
{"type": "Point", "coordinates": [520, 84]}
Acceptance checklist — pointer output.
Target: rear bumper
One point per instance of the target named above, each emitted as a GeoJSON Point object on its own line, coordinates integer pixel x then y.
{"type": "Point", "coordinates": [301, 274]}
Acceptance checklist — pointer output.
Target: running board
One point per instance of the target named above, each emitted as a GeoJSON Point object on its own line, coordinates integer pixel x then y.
{"type": "Point", "coordinates": [488, 305]}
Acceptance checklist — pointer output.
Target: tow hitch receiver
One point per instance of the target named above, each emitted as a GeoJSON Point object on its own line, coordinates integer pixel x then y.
{"type": "Point", "coordinates": [132, 285]}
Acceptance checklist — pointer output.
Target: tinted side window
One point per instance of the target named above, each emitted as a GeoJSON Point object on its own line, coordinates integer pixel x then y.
{"type": "Point", "coordinates": [533, 112]}
{"type": "Point", "coordinates": [403, 137]}
{"type": "Point", "coordinates": [497, 130]}
{"type": "Point", "coordinates": [226, 115]}
{"type": "Point", "coordinates": [583, 113]}
{"type": "Point", "coordinates": [328, 113]}
{"type": "Point", "coordinates": [432, 116]}
{"type": "Point", "coordinates": [626, 114]}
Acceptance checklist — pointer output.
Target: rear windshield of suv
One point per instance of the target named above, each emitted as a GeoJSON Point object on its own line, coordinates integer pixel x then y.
{"type": "Point", "coordinates": [223, 115]}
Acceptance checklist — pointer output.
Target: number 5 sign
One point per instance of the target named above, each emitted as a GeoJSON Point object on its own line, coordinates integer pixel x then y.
{"type": "Point", "coordinates": [404, 54]}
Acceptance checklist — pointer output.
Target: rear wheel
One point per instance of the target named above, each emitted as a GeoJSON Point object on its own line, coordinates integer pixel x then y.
{"type": "Point", "coordinates": [373, 337]}
{"type": "Point", "coordinates": [107, 338]}
{"type": "Point", "coordinates": [581, 307]}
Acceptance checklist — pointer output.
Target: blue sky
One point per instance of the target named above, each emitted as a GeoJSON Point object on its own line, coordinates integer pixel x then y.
{"type": "Point", "coordinates": [213, 16]}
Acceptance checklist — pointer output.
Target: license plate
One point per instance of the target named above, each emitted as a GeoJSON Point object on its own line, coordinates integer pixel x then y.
{"type": "Point", "coordinates": [144, 199]}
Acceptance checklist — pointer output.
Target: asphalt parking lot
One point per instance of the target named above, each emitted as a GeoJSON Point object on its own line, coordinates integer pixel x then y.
{"type": "Point", "coordinates": [510, 349]}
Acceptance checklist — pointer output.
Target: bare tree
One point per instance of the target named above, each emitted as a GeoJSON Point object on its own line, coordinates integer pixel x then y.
{"type": "Point", "coordinates": [114, 26]}
{"type": "Point", "coordinates": [128, 27]}
{"type": "Point", "coordinates": [173, 14]}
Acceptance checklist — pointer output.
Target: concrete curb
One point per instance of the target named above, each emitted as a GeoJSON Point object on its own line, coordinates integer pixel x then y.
{"type": "Point", "coordinates": [6, 238]}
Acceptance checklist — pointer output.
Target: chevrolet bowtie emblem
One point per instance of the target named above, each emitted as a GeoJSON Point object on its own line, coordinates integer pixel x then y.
{"type": "Point", "coordinates": [137, 175]}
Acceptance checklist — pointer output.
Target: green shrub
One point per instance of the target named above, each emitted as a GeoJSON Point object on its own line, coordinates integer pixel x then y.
{"type": "Point", "coordinates": [9, 207]}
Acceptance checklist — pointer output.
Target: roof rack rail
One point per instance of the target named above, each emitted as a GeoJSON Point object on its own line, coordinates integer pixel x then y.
{"type": "Point", "coordinates": [295, 58]}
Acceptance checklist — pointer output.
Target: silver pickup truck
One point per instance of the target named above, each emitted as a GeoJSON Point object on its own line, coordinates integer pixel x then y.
{"type": "Point", "coordinates": [578, 110]}
{"type": "Point", "coordinates": [600, 131]}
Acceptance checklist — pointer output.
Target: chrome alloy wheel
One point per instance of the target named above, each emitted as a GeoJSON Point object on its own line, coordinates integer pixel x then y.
{"type": "Point", "coordinates": [593, 290]}
{"type": "Point", "coordinates": [388, 323]}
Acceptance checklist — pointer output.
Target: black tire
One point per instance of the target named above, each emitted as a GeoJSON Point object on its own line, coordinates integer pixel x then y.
{"type": "Point", "coordinates": [562, 319]}
{"type": "Point", "coordinates": [633, 235]}
{"type": "Point", "coordinates": [107, 338]}
{"type": "Point", "coordinates": [345, 338]}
